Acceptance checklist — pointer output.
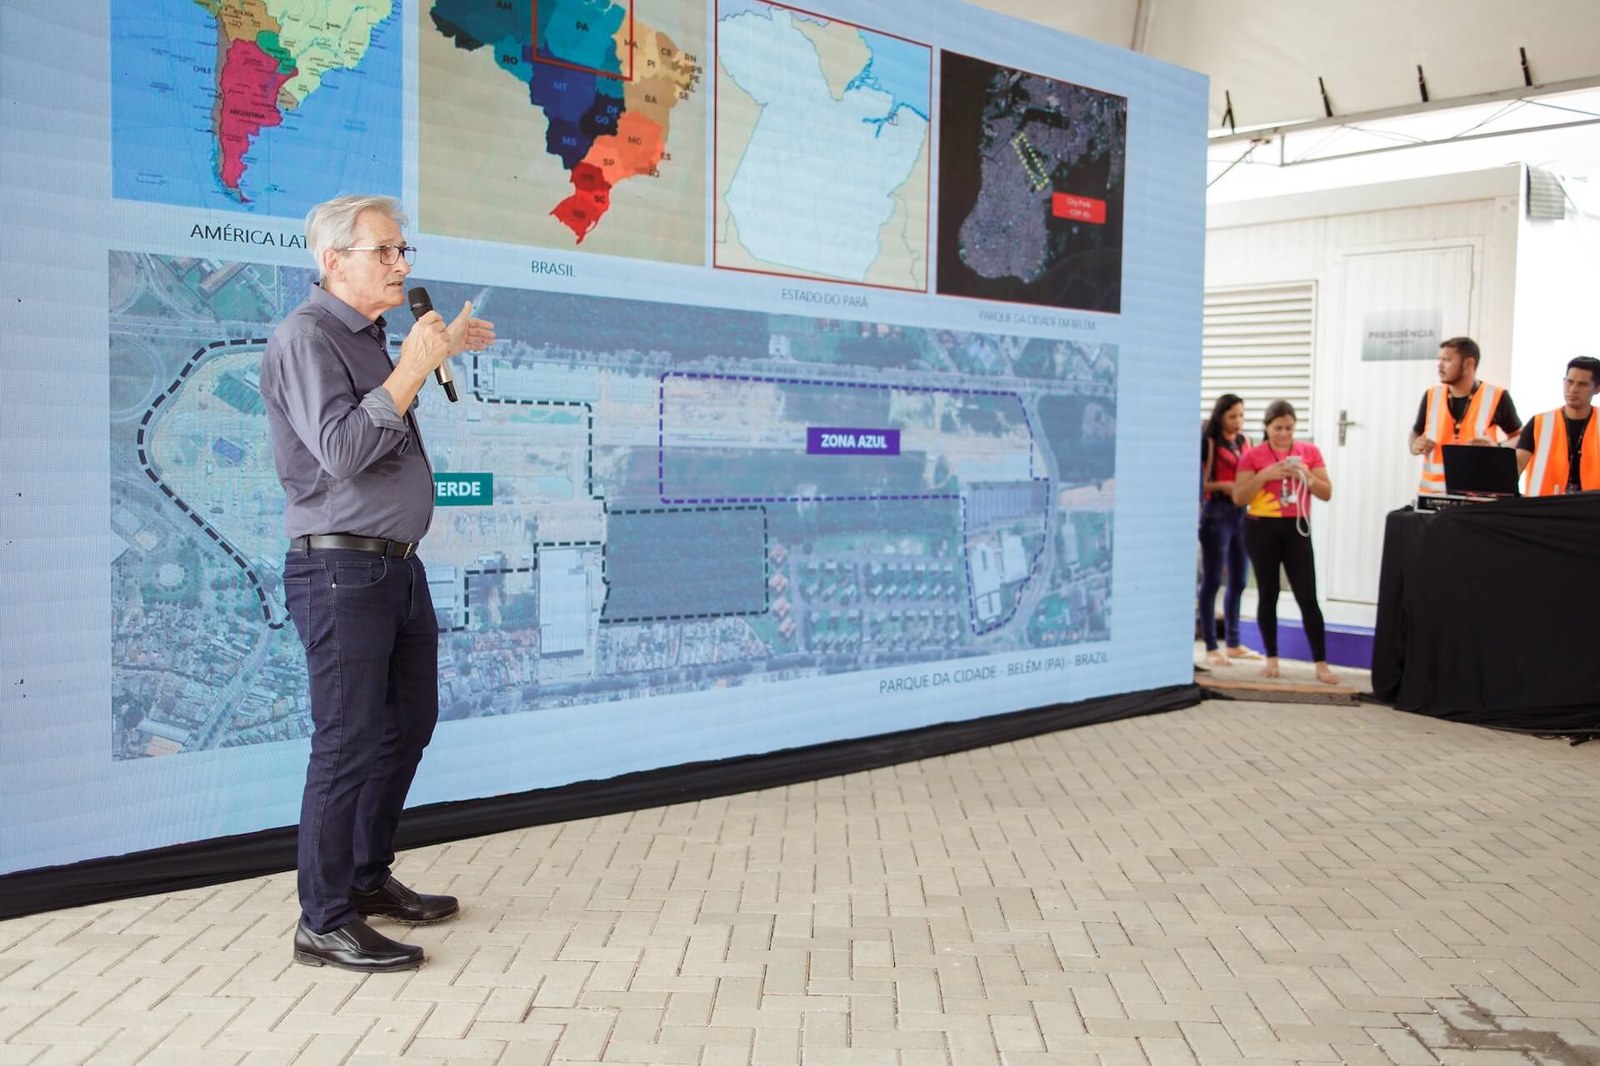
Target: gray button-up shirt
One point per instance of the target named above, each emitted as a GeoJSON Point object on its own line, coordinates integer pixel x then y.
{"type": "Point", "coordinates": [349, 462]}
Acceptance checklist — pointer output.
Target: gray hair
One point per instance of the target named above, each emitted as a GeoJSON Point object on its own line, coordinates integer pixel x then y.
{"type": "Point", "coordinates": [333, 224]}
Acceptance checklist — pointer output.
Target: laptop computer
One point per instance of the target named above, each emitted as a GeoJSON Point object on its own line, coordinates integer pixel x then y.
{"type": "Point", "coordinates": [1472, 471]}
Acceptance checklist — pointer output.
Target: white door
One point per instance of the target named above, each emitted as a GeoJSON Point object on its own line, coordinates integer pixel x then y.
{"type": "Point", "coordinates": [1395, 308]}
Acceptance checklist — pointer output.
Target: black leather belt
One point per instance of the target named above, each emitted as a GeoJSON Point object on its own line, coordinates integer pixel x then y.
{"type": "Point", "coordinates": [399, 549]}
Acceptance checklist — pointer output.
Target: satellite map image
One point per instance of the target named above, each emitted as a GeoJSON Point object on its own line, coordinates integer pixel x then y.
{"type": "Point", "coordinates": [1031, 174]}
{"type": "Point", "coordinates": [878, 494]}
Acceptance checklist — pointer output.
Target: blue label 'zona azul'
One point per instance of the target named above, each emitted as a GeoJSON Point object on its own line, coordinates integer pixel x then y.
{"type": "Point", "coordinates": [830, 440]}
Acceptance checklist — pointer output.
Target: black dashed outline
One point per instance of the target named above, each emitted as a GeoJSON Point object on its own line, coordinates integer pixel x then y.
{"type": "Point", "coordinates": [140, 441]}
{"type": "Point", "coordinates": [766, 568]}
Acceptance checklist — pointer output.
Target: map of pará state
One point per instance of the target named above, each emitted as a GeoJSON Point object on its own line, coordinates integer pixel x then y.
{"type": "Point", "coordinates": [268, 106]}
{"type": "Point", "coordinates": [822, 147]}
{"type": "Point", "coordinates": [575, 114]}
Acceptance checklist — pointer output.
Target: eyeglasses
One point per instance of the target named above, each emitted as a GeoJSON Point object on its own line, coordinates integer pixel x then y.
{"type": "Point", "coordinates": [388, 254]}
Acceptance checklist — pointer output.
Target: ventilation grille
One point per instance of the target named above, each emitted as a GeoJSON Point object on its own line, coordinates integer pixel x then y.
{"type": "Point", "coordinates": [1257, 344]}
{"type": "Point", "coordinates": [1547, 200]}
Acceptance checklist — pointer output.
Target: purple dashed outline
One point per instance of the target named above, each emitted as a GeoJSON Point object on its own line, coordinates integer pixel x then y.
{"type": "Point", "coordinates": [972, 604]}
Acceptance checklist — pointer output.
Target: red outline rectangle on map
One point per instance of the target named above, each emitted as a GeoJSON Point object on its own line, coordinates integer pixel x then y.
{"type": "Point", "coordinates": [927, 217]}
{"type": "Point", "coordinates": [596, 71]}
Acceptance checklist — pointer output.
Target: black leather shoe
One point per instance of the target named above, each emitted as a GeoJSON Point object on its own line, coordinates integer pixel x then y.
{"type": "Point", "coordinates": [395, 901]}
{"type": "Point", "coordinates": [354, 946]}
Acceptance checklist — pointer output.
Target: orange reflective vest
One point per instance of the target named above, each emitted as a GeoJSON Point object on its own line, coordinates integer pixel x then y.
{"type": "Point", "coordinates": [1548, 469]}
{"type": "Point", "coordinates": [1440, 428]}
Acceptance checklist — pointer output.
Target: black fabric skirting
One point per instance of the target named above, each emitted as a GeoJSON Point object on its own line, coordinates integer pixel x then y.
{"type": "Point", "coordinates": [1490, 614]}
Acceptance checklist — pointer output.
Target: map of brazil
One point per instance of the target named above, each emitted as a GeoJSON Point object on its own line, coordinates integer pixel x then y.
{"type": "Point", "coordinates": [581, 119]}
{"type": "Point", "coordinates": [267, 106]}
{"type": "Point", "coordinates": [822, 148]}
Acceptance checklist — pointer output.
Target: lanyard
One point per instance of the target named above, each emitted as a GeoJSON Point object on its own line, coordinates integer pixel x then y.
{"type": "Point", "coordinates": [1464, 408]}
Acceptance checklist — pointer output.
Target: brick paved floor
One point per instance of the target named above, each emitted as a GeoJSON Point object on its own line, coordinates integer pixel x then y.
{"type": "Point", "coordinates": [1236, 883]}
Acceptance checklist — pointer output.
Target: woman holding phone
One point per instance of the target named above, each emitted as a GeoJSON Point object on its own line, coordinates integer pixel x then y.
{"type": "Point", "coordinates": [1275, 482]}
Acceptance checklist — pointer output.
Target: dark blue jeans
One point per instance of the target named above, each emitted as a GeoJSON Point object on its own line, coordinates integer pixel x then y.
{"type": "Point", "coordinates": [1221, 546]}
{"type": "Point", "coordinates": [372, 652]}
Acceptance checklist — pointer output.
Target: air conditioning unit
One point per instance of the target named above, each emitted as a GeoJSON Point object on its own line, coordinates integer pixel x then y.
{"type": "Point", "coordinates": [1547, 200]}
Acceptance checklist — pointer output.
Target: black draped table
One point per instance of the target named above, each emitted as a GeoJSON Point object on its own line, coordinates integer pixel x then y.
{"type": "Point", "coordinates": [1490, 613]}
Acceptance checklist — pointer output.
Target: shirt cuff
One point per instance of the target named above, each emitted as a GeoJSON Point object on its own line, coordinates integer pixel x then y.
{"type": "Point", "coordinates": [380, 408]}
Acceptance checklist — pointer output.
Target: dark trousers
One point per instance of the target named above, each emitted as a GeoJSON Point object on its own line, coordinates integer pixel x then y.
{"type": "Point", "coordinates": [372, 653]}
{"type": "Point", "coordinates": [1274, 542]}
{"type": "Point", "coordinates": [1221, 546]}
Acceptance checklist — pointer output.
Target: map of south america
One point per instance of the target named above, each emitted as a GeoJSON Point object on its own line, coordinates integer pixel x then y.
{"type": "Point", "coordinates": [605, 82]}
{"type": "Point", "coordinates": [265, 107]}
{"type": "Point", "coordinates": [271, 56]}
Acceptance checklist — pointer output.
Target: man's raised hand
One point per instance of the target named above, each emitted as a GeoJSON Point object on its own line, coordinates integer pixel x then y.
{"type": "Point", "coordinates": [468, 334]}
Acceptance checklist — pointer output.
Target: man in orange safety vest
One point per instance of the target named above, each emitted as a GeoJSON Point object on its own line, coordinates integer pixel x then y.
{"type": "Point", "coordinates": [1560, 450]}
{"type": "Point", "coordinates": [1459, 410]}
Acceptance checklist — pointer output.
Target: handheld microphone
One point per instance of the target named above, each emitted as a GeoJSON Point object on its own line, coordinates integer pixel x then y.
{"type": "Point", "coordinates": [421, 305]}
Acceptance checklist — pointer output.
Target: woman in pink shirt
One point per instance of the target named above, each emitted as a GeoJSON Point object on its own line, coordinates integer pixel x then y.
{"type": "Point", "coordinates": [1275, 482]}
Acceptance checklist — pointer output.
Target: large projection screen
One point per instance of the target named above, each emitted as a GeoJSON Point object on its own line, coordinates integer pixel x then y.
{"type": "Point", "coordinates": [844, 384]}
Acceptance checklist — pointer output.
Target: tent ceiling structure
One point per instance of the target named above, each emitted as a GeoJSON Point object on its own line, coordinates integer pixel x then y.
{"type": "Point", "coordinates": [1266, 56]}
